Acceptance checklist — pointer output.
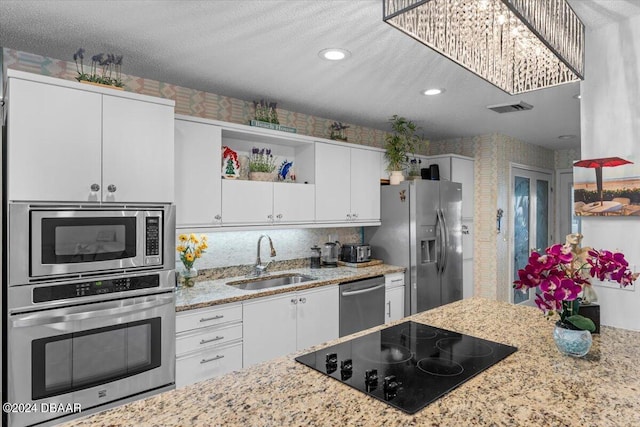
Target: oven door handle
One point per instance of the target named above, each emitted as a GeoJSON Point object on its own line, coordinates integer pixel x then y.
{"type": "Point", "coordinates": [362, 291]}
{"type": "Point", "coordinates": [47, 319]}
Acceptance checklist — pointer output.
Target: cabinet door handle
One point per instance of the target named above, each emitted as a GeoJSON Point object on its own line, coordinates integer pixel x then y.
{"type": "Point", "coordinates": [206, 319]}
{"type": "Point", "coordinates": [279, 216]}
{"type": "Point", "coordinates": [389, 310]}
{"type": "Point", "coordinates": [397, 280]}
{"type": "Point", "coordinates": [212, 359]}
{"type": "Point", "coordinates": [95, 187]}
{"type": "Point", "coordinates": [270, 217]}
{"type": "Point", "coordinates": [294, 301]}
{"type": "Point", "coordinates": [303, 300]}
{"type": "Point", "coordinates": [112, 188]}
{"type": "Point", "coordinates": [217, 217]}
{"type": "Point", "coordinates": [354, 216]}
{"type": "Point", "coordinates": [211, 340]}
{"type": "Point", "coordinates": [348, 217]}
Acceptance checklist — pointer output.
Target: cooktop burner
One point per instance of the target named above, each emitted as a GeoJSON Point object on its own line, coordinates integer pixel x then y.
{"type": "Point", "coordinates": [408, 365]}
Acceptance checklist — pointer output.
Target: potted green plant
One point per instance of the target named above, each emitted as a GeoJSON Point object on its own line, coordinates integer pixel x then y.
{"type": "Point", "coordinates": [262, 165]}
{"type": "Point", "coordinates": [398, 144]}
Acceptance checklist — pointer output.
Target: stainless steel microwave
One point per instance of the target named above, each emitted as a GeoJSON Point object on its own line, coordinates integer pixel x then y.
{"type": "Point", "coordinates": [61, 242]}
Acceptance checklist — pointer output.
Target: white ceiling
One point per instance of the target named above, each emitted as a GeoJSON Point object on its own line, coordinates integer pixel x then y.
{"type": "Point", "coordinates": [252, 49]}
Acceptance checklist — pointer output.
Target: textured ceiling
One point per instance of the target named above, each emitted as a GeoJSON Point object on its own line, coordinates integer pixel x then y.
{"type": "Point", "coordinates": [269, 49]}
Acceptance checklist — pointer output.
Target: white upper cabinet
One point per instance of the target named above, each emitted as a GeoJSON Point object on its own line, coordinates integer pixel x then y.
{"type": "Point", "coordinates": [198, 182]}
{"type": "Point", "coordinates": [347, 184]}
{"type": "Point", "coordinates": [365, 185]}
{"type": "Point", "coordinates": [247, 202]}
{"type": "Point", "coordinates": [293, 203]}
{"type": "Point", "coordinates": [137, 151]}
{"type": "Point", "coordinates": [69, 142]}
{"type": "Point", "coordinates": [54, 137]}
{"type": "Point", "coordinates": [457, 169]}
{"type": "Point", "coordinates": [333, 183]}
{"type": "Point", "coordinates": [256, 202]}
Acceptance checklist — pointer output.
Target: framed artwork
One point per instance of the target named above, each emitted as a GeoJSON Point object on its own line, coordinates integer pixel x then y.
{"type": "Point", "coordinates": [608, 186]}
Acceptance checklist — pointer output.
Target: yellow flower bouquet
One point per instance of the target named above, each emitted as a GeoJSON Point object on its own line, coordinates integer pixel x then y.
{"type": "Point", "coordinates": [190, 249]}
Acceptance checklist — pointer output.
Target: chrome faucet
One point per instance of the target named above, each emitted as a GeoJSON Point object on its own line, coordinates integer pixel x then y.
{"type": "Point", "coordinates": [259, 269]}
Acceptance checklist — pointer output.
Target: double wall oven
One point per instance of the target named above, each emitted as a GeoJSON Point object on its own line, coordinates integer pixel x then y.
{"type": "Point", "coordinates": [90, 308]}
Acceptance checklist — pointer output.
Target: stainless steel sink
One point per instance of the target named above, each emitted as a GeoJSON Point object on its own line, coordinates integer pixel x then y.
{"type": "Point", "coordinates": [270, 282]}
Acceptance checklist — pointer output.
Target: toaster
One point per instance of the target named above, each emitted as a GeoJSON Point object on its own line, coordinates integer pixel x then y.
{"type": "Point", "coordinates": [356, 253]}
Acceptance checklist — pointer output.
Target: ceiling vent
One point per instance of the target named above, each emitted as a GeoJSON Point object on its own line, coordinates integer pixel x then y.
{"type": "Point", "coordinates": [510, 108]}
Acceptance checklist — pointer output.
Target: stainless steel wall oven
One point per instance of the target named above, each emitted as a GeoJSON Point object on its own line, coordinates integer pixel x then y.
{"type": "Point", "coordinates": [91, 313]}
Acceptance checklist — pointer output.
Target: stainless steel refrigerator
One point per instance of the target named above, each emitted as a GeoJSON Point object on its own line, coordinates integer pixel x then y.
{"type": "Point", "coordinates": [422, 231]}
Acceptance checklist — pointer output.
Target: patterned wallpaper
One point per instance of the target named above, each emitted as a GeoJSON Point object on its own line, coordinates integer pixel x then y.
{"type": "Point", "coordinates": [564, 158]}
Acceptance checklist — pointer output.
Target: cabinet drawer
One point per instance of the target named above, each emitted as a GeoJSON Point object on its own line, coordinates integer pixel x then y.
{"type": "Point", "coordinates": [200, 339]}
{"type": "Point", "coordinates": [393, 280]}
{"type": "Point", "coordinates": [208, 364]}
{"type": "Point", "coordinates": [205, 317]}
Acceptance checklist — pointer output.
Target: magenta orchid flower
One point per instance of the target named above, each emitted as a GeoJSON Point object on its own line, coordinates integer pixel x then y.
{"type": "Point", "coordinates": [560, 275]}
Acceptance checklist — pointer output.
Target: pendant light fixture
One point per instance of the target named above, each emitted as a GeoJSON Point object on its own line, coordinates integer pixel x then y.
{"type": "Point", "coordinates": [516, 45]}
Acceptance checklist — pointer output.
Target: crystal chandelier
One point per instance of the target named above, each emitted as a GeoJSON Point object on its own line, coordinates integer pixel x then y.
{"type": "Point", "coordinates": [516, 45]}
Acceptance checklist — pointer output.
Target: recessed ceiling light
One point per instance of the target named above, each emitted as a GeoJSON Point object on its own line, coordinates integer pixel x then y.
{"type": "Point", "coordinates": [566, 137]}
{"type": "Point", "coordinates": [578, 96]}
{"type": "Point", "coordinates": [432, 92]}
{"type": "Point", "coordinates": [334, 54]}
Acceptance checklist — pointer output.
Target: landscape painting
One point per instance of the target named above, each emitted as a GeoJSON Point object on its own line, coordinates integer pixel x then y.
{"type": "Point", "coordinates": [607, 186]}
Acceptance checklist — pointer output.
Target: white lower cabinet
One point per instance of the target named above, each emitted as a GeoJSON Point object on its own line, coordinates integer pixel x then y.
{"type": "Point", "coordinates": [281, 324]}
{"type": "Point", "coordinates": [208, 343]}
{"type": "Point", "coordinates": [191, 368]}
{"type": "Point", "coordinates": [394, 297]}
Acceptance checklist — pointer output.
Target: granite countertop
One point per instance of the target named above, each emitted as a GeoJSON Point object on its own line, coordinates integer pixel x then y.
{"type": "Point", "coordinates": [207, 293]}
{"type": "Point", "coordinates": [536, 386]}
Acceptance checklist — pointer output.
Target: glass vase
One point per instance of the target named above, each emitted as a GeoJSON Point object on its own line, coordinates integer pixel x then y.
{"type": "Point", "coordinates": [187, 277]}
{"type": "Point", "coordinates": [571, 342]}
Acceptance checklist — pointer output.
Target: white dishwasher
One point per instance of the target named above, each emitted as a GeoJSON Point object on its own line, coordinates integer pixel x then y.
{"type": "Point", "coordinates": [361, 305]}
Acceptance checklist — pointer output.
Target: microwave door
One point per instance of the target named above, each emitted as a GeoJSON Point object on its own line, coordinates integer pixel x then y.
{"type": "Point", "coordinates": [67, 242]}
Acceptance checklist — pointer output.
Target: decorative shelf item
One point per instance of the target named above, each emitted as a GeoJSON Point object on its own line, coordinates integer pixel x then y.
{"type": "Point", "coordinates": [272, 126]}
{"type": "Point", "coordinates": [230, 163]}
{"type": "Point", "coordinates": [338, 131]}
{"type": "Point", "coordinates": [286, 171]}
{"type": "Point", "coordinates": [262, 165]}
{"type": "Point", "coordinates": [105, 70]}
{"type": "Point", "coordinates": [267, 117]}
{"type": "Point", "coordinates": [414, 169]}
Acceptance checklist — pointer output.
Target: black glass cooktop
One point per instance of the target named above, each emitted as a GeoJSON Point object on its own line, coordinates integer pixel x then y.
{"type": "Point", "coordinates": [408, 365]}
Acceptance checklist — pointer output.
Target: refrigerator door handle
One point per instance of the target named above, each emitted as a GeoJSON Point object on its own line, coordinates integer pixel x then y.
{"type": "Point", "coordinates": [438, 241]}
{"type": "Point", "coordinates": [445, 240]}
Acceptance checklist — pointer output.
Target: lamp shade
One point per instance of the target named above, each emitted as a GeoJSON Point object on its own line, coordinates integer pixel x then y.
{"type": "Point", "coordinates": [517, 45]}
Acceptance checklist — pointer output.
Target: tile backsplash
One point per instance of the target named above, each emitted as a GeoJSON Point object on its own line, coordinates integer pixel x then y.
{"type": "Point", "coordinates": [231, 248]}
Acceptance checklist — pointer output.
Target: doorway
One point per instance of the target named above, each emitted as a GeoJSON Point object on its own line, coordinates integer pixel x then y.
{"type": "Point", "coordinates": [531, 209]}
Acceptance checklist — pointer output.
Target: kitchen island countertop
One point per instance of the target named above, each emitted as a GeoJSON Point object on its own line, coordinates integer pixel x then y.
{"type": "Point", "coordinates": [207, 293]}
{"type": "Point", "coordinates": [536, 386]}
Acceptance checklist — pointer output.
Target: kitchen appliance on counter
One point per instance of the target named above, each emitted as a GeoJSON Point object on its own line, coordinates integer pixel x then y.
{"type": "Point", "coordinates": [90, 311]}
{"type": "Point", "coordinates": [409, 365]}
{"type": "Point", "coordinates": [422, 231]}
{"type": "Point", "coordinates": [355, 253]}
{"type": "Point", "coordinates": [361, 304]}
{"type": "Point", "coordinates": [330, 253]}
{"type": "Point", "coordinates": [316, 256]}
